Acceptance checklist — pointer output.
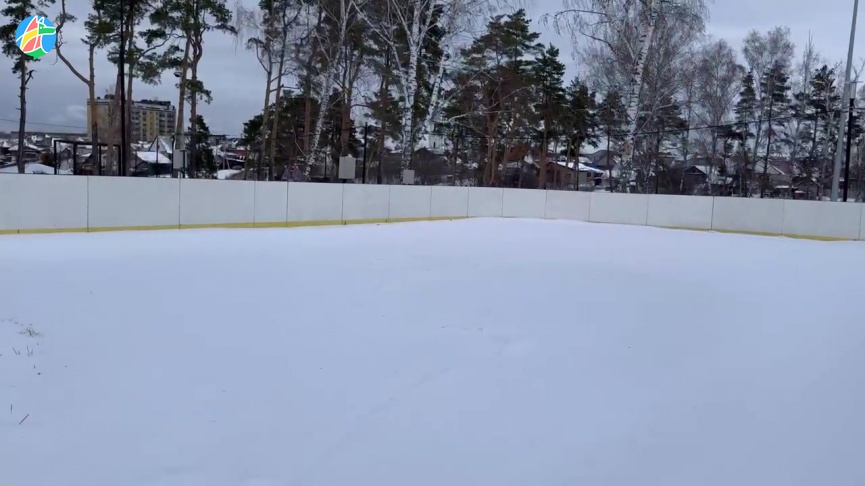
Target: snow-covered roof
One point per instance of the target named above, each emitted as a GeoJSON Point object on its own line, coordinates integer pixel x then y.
{"type": "Point", "coordinates": [227, 173]}
{"type": "Point", "coordinates": [34, 168]}
{"type": "Point", "coordinates": [14, 147]}
{"type": "Point", "coordinates": [153, 158]}
{"type": "Point", "coordinates": [161, 144]}
{"type": "Point", "coordinates": [584, 165]}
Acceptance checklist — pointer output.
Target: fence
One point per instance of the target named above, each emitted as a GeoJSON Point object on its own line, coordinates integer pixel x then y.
{"type": "Point", "coordinates": [33, 204]}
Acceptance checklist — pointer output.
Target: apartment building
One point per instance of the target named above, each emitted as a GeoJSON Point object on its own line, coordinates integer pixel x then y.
{"type": "Point", "coordinates": [150, 118]}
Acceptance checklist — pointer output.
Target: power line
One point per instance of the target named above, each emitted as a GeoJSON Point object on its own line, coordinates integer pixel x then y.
{"type": "Point", "coordinates": [44, 124]}
{"type": "Point", "coordinates": [57, 125]}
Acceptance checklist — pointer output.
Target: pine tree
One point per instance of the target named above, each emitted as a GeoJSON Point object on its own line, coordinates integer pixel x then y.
{"type": "Point", "coordinates": [501, 61]}
{"type": "Point", "coordinates": [549, 75]}
{"type": "Point", "coordinates": [612, 119]}
{"type": "Point", "coordinates": [745, 125]}
{"type": "Point", "coordinates": [16, 11]}
{"type": "Point", "coordinates": [95, 40]}
{"type": "Point", "coordinates": [580, 121]}
{"type": "Point", "coordinates": [199, 146]}
{"type": "Point", "coordinates": [824, 107]}
{"type": "Point", "coordinates": [775, 84]}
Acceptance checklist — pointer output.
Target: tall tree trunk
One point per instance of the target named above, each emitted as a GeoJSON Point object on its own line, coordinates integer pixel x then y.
{"type": "Point", "coordinates": [384, 102]}
{"type": "Point", "coordinates": [265, 121]}
{"type": "Point", "coordinates": [542, 177]}
{"type": "Point", "coordinates": [24, 77]}
{"type": "Point", "coordinates": [94, 113]}
{"type": "Point", "coordinates": [179, 136]}
{"type": "Point", "coordinates": [764, 178]}
{"type": "Point", "coordinates": [130, 164]}
{"type": "Point", "coordinates": [274, 133]}
{"type": "Point", "coordinates": [648, 20]}
{"type": "Point", "coordinates": [271, 160]}
{"type": "Point", "coordinates": [130, 76]}
{"type": "Point", "coordinates": [344, 104]}
{"type": "Point", "coordinates": [112, 130]}
{"type": "Point", "coordinates": [193, 115]}
{"type": "Point", "coordinates": [410, 88]}
{"type": "Point", "coordinates": [322, 97]}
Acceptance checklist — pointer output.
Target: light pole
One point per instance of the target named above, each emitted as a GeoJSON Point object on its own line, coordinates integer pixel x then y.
{"type": "Point", "coordinates": [839, 147]}
{"type": "Point", "coordinates": [121, 60]}
{"type": "Point", "coordinates": [849, 142]}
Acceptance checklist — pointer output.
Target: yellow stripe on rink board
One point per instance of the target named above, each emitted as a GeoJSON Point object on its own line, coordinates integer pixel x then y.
{"type": "Point", "coordinates": [51, 230]}
{"type": "Point", "coordinates": [275, 224]}
{"type": "Point", "coordinates": [757, 233]}
{"type": "Point", "coordinates": [300, 224]}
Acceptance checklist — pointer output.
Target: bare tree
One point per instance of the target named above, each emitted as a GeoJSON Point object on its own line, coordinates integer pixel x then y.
{"type": "Point", "coordinates": [719, 78]}
{"type": "Point", "coordinates": [626, 31]}
{"type": "Point", "coordinates": [404, 27]}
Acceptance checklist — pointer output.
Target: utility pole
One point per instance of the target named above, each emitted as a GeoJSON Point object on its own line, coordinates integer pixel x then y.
{"type": "Point", "coordinates": [849, 144]}
{"type": "Point", "coordinates": [836, 173]}
{"type": "Point", "coordinates": [365, 136]}
{"type": "Point", "coordinates": [121, 59]}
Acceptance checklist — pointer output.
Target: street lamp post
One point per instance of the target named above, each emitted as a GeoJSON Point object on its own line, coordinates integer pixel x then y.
{"type": "Point", "coordinates": [121, 59]}
{"type": "Point", "coordinates": [849, 143]}
{"type": "Point", "coordinates": [839, 147]}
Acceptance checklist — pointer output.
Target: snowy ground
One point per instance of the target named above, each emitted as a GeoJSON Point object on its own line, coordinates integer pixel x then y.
{"type": "Point", "coordinates": [477, 352]}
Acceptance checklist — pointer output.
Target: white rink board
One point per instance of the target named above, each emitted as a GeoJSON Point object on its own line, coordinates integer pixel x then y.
{"type": "Point", "coordinates": [485, 202]}
{"type": "Point", "coordinates": [825, 219]}
{"type": "Point", "coordinates": [8, 203]}
{"type": "Point", "coordinates": [619, 208]}
{"type": "Point", "coordinates": [363, 202]}
{"type": "Point", "coordinates": [449, 202]}
{"type": "Point", "coordinates": [271, 202]}
{"type": "Point", "coordinates": [680, 211]}
{"type": "Point", "coordinates": [216, 202]}
{"type": "Point", "coordinates": [409, 202]}
{"type": "Point", "coordinates": [524, 203]}
{"type": "Point", "coordinates": [568, 205]}
{"type": "Point", "coordinates": [38, 202]}
{"type": "Point", "coordinates": [133, 202]}
{"type": "Point", "coordinates": [309, 201]}
{"type": "Point", "coordinates": [862, 226]}
{"type": "Point", "coordinates": [748, 215]}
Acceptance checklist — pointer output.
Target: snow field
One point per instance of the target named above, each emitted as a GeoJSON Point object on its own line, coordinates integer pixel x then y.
{"type": "Point", "coordinates": [488, 351]}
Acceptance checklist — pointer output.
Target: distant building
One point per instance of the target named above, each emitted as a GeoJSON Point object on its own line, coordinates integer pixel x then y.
{"type": "Point", "coordinates": [150, 118]}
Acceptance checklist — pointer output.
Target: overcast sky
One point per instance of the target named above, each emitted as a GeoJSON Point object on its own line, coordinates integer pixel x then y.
{"type": "Point", "coordinates": [57, 99]}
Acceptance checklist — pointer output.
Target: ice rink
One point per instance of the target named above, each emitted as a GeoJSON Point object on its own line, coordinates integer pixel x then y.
{"type": "Point", "coordinates": [477, 352]}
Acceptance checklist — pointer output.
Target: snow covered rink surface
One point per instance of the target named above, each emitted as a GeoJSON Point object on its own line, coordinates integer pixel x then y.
{"type": "Point", "coordinates": [476, 352]}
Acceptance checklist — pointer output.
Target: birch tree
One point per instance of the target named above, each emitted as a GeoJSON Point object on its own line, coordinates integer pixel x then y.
{"type": "Point", "coordinates": [719, 79]}
{"type": "Point", "coordinates": [328, 36]}
{"type": "Point", "coordinates": [626, 30]}
{"type": "Point", "coordinates": [405, 29]}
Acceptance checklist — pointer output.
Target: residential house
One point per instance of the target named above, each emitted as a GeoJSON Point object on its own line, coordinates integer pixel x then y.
{"type": "Point", "coordinates": [151, 164]}
{"type": "Point", "coordinates": [567, 173]}
{"type": "Point", "coordinates": [603, 159]}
